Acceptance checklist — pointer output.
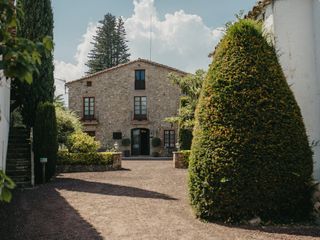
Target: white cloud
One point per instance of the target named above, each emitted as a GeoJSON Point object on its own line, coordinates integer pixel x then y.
{"type": "Point", "coordinates": [180, 40]}
{"type": "Point", "coordinates": [69, 71]}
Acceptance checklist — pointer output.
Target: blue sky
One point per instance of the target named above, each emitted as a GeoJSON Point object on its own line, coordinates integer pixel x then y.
{"type": "Point", "coordinates": [178, 36]}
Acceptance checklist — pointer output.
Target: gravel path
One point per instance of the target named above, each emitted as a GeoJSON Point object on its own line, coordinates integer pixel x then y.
{"type": "Point", "coordinates": [147, 200]}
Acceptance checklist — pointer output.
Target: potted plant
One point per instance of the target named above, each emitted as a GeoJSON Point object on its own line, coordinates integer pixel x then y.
{"type": "Point", "coordinates": [156, 143]}
{"type": "Point", "coordinates": [126, 143]}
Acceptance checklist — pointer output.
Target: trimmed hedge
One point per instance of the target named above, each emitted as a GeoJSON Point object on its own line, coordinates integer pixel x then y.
{"type": "Point", "coordinates": [45, 140]}
{"type": "Point", "coordinates": [94, 158]}
{"type": "Point", "coordinates": [250, 153]}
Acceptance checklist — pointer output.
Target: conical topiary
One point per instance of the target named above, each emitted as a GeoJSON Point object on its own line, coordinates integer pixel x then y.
{"type": "Point", "coordinates": [250, 153]}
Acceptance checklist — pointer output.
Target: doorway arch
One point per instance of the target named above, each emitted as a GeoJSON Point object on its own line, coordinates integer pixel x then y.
{"type": "Point", "coordinates": [140, 141]}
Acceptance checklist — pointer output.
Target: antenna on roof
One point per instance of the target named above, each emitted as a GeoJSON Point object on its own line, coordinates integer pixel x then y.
{"type": "Point", "coordinates": [150, 50]}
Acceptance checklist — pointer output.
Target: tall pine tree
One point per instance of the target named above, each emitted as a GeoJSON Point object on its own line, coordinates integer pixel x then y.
{"type": "Point", "coordinates": [109, 45]}
{"type": "Point", "coordinates": [35, 24]}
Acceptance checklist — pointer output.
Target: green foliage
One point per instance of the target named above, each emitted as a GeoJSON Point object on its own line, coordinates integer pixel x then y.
{"type": "Point", "coordinates": [156, 142]}
{"type": "Point", "coordinates": [67, 123]}
{"type": "Point", "coordinates": [20, 56]}
{"type": "Point", "coordinates": [45, 140]}
{"type": "Point", "coordinates": [80, 142]}
{"type": "Point", "coordinates": [250, 153]}
{"type": "Point", "coordinates": [186, 156]}
{"type": "Point", "coordinates": [6, 184]}
{"type": "Point", "coordinates": [36, 25]}
{"type": "Point", "coordinates": [185, 138]}
{"type": "Point", "coordinates": [109, 45]}
{"type": "Point", "coordinates": [91, 158]}
{"type": "Point", "coordinates": [190, 86]}
{"type": "Point", "coordinates": [126, 142]}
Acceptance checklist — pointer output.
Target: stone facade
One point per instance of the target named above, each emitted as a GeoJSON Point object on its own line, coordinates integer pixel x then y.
{"type": "Point", "coordinates": [114, 91]}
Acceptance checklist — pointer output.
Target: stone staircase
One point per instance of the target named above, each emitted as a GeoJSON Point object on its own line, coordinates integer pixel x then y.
{"type": "Point", "coordinates": [18, 165]}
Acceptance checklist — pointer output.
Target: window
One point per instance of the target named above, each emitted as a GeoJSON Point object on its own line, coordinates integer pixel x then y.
{"type": "Point", "coordinates": [140, 108]}
{"type": "Point", "coordinates": [140, 82]}
{"type": "Point", "coordinates": [169, 138]}
{"type": "Point", "coordinates": [117, 135]}
{"type": "Point", "coordinates": [89, 83]}
{"type": "Point", "coordinates": [88, 108]}
{"type": "Point", "coordinates": [91, 133]}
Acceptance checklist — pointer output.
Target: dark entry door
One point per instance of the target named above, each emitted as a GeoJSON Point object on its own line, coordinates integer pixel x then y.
{"type": "Point", "coordinates": [140, 141]}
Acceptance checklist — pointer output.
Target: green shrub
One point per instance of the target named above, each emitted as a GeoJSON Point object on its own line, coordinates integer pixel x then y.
{"type": "Point", "coordinates": [250, 153]}
{"type": "Point", "coordinates": [126, 142]}
{"type": "Point", "coordinates": [186, 156]}
{"type": "Point", "coordinates": [80, 142]}
{"type": "Point", "coordinates": [93, 158]}
{"type": "Point", "coordinates": [45, 140]}
{"type": "Point", "coordinates": [6, 185]}
{"type": "Point", "coordinates": [156, 142]}
{"type": "Point", "coordinates": [67, 123]}
{"type": "Point", "coordinates": [185, 138]}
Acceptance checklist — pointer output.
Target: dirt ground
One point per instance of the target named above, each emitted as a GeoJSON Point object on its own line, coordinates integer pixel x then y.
{"type": "Point", "coordinates": [147, 200]}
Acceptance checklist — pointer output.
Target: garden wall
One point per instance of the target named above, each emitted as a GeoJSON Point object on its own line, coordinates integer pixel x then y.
{"type": "Point", "coordinates": [95, 162]}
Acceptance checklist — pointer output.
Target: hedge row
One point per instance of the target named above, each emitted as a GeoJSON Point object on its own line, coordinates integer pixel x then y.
{"type": "Point", "coordinates": [94, 158]}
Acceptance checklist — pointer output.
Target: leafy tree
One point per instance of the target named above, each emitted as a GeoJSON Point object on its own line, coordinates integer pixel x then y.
{"type": "Point", "coordinates": [190, 86]}
{"type": "Point", "coordinates": [80, 142]}
{"type": "Point", "coordinates": [109, 45]}
{"type": "Point", "coordinates": [19, 59]}
{"type": "Point", "coordinates": [20, 56]}
{"type": "Point", "coordinates": [250, 154]}
{"type": "Point", "coordinates": [67, 123]}
{"type": "Point", "coordinates": [122, 54]}
{"type": "Point", "coordinates": [35, 24]}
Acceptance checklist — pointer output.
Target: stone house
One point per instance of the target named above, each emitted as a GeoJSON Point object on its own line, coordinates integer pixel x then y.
{"type": "Point", "coordinates": [129, 101]}
{"type": "Point", "coordinates": [293, 26]}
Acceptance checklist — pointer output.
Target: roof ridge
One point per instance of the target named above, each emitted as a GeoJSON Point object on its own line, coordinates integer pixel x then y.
{"type": "Point", "coordinates": [125, 64]}
{"type": "Point", "coordinates": [258, 8]}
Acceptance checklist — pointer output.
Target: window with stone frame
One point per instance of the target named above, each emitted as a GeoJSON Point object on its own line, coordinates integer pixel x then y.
{"type": "Point", "coordinates": [140, 79]}
{"type": "Point", "coordinates": [140, 108]}
{"type": "Point", "coordinates": [169, 138]}
{"type": "Point", "coordinates": [88, 108]}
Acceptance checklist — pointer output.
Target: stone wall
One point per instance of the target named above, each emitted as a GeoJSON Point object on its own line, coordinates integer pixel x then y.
{"type": "Point", "coordinates": [114, 92]}
{"type": "Point", "coordinates": [180, 159]}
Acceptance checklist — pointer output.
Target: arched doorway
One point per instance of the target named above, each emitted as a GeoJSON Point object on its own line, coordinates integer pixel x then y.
{"type": "Point", "coordinates": [140, 141]}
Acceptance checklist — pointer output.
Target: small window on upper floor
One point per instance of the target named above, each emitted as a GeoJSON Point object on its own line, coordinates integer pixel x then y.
{"type": "Point", "coordinates": [140, 79]}
{"type": "Point", "coordinates": [89, 83]}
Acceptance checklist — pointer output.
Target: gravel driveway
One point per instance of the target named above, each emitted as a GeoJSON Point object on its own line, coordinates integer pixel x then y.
{"type": "Point", "coordinates": [146, 200]}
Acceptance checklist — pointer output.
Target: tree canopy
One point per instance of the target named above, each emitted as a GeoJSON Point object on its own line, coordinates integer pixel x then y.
{"type": "Point", "coordinates": [35, 24]}
{"type": "Point", "coordinates": [109, 45]}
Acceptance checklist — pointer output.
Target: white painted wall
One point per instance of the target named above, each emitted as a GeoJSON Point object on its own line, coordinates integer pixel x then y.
{"type": "Point", "coordinates": [4, 118]}
{"type": "Point", "coordinates": [296, 29]}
